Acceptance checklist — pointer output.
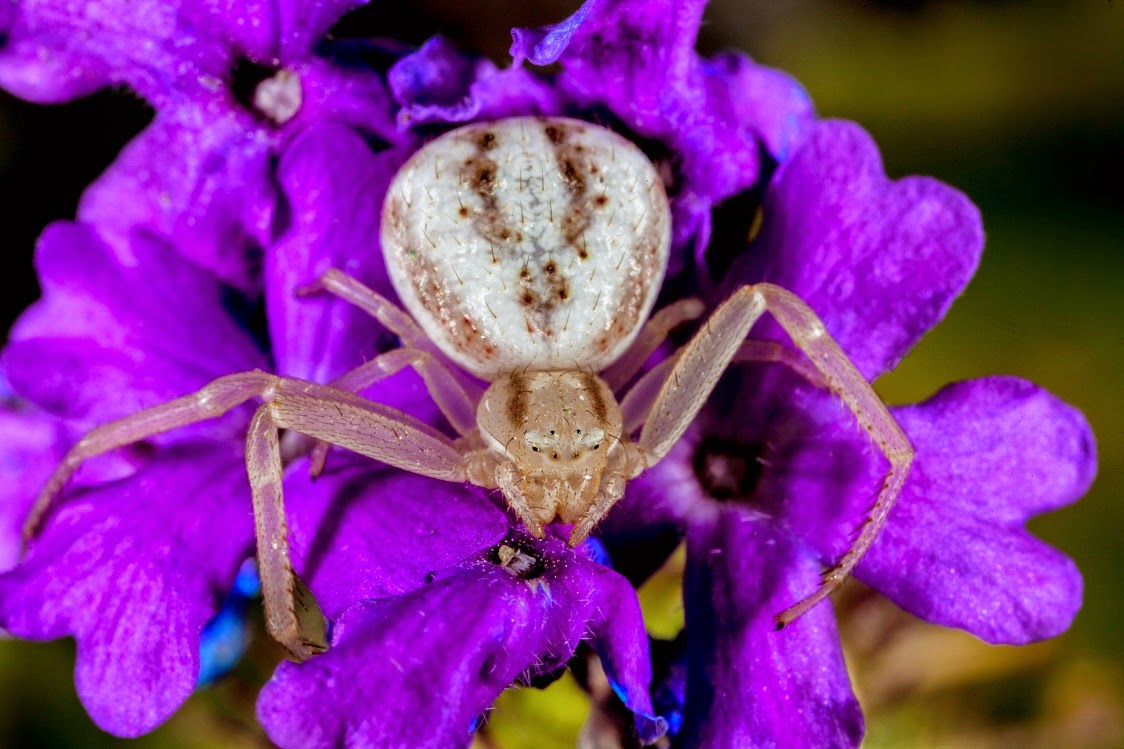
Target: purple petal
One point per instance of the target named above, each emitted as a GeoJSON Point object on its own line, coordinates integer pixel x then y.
{"type": "Point", "coordinates": [341, 92]}
{"type": "Point", "coordinates": [150, 45]}
{"type": "Point", "coordinates": [267, 31]}
{"type": "Point", "coordinates": [879, 261]}
{"type": "Point", "coordinates": [440, 83]}
{"type": "Point", "coordinates": [418, 669]}
{"type": "Point", "coordinates": [437, 74]}
{"type": "Point", "coordinates": [248, 26]}
{"type": "Point", "coordinates": [544, 45]}
{"type": "Point", "coordinates": [616, 625]}
{"type": "Point", "coordinates": [59, 49]}
{"type": "Point", "coordinates": [773, 103]}
{"type": "Point", "coordinates": [334, 186]}
{"type": "Point", "coordinates": [710, 119]}
{"type": "Point", "coordinates": [112, 335]}
{"type": "Point", "coordinates": [749, 685]}
{"type": "Point", "coordinates": [198, 176]}
{"type": "Point", "coordinates": [364, 530]}
{"type": "Point", "coordinates": [991, 453]}
{"type": "Point", "coordinates": [41, 72]}
{"type": "Point", "coordinates": [132, 570]}
{"type": "Point", "coordinates": [637, 58]}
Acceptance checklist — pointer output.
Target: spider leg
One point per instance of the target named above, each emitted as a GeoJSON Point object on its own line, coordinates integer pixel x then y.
{"type": "Point", "coordinates": [455, 396]}
{"type": "Point", "coordinates": [395, 319]}
{"type": "Point", "coordinates": [350, 289]}
{"type": "Point", "coordinates": [637, 402]}
{"type": "Point", "coordinates": [654, 332]}
{"type": "Point", "coordinates": [771, 351]}
{"type": "Point", "coordinates": [486, 468]}
{"type": "Point", "coordinates": [291, 620]}
{"type": "Point", "coordinates": [442, 386]}
{"type": "Point", "coordinates": [365, 427]}
{"type": "Point", "coordinates": [319, 411]}
{"type": "Point", "coordinates": [702, 361]}
{"type": "Point", "coordinates": [343, 419]}
{"type": "Point", "coordinates": [212, 401]}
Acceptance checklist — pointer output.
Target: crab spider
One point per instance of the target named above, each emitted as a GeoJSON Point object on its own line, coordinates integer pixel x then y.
{"type": "Point", "coordinates": [528, 253]}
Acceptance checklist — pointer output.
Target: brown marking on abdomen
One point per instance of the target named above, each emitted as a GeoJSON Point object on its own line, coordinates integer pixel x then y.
{"type": "Point", "coordinates": [427, 283]}
{"type": "Point", "coordinates": [479, 173]}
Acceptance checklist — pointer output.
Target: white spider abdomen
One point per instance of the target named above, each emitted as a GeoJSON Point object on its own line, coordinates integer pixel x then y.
{"type": "Point", "coordinates": [528, 242]}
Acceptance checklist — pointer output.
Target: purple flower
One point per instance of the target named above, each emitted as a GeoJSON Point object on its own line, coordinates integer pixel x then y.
{"type": "Point", "coordinates": [452, 646]}
{"type": "Point", "coordinates": [147, 327]}
{"type": "Point", "coordinates": [133, 569]}
{"type": "Point", "coordinates": [214, 198]}
{"type": "Point", "coordinates": [636, 60]}
{"type": "Point", "coordinates": [773, 495]}
{"type": "Point", "coordinates": [183, 266]}
{"type": "Point", "coordinates": [200, 176]}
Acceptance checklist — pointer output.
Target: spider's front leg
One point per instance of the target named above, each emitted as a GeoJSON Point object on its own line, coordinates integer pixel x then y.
{"type": "Point", "coordinates": [212, 401]}
{"type": "Point", "coordinates": [509, 481]}
{"type": "Point", "coordinates": [612, 489]}
{"type": "Point", "coordinates": [345, 420]}
{"type": "Point", "coordinates": [319, 411]}
{"type": "Point", "coordinates": [701, 362]}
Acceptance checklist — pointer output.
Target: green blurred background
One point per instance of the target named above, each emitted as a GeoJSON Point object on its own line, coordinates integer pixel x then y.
{"type": "Point", "coordinates": [1020, 105]}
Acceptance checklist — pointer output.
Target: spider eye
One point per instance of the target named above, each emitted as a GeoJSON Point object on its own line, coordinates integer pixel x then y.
{"type": "Point", "coordinates": [535, 449]}
{"type": "Point", "coordinates": [590, 438]}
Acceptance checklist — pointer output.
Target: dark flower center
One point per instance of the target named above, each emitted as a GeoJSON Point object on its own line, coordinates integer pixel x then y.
{"type": "Point", "coordinates": [268, 92]}
{"type": "Point", "coordinates": [518, 558]}
{"type": "Point", "coordinates": [727, 469]}
{"type": "Point", "coordinates": [736, 223]}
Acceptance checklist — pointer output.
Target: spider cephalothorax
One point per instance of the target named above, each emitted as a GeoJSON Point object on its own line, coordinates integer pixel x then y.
{"type": "Point", "coordinates": [528, 253]}
{"type": "Point", "coordinates": [559, 429]}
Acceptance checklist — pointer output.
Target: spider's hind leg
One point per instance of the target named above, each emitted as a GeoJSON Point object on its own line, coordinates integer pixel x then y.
{"type": "Point", "coordinates": [454, 403]}
{"type": "Point", "coordinates": [702, 361]}
{"type": "Point", "coordinates": [455, 395]}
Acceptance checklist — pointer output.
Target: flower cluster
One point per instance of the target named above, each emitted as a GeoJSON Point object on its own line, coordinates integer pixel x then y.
{"type": "Point", "coordinates": [182, 266]}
